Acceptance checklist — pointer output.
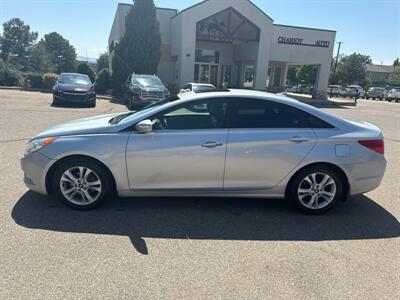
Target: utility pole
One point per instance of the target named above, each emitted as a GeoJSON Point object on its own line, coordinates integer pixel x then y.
{"type": "Point", "coordinates": [337, 58]}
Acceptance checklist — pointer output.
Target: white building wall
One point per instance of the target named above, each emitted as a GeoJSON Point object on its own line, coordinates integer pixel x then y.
{"type": "Point", "coordinates": [185, 24]}
{"type": "Point", "coordinates": [306, 52]}
{"type": "Point", "coordinates": [178, 34]}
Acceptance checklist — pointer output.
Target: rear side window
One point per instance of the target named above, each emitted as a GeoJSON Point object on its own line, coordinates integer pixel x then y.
{"type": "Point", "coordinates": [252, 113]}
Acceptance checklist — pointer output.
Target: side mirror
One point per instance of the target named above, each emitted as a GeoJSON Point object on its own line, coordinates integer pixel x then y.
{"type": "Point", "coordinates": [144, 126]}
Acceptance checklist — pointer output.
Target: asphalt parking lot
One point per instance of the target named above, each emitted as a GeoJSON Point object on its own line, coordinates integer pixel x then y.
{"type": "Point", "coordinates": [192, 248]}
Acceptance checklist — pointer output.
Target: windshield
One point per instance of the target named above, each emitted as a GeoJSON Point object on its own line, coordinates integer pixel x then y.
{"type": "Point", "coordinates": [74, 79]}
{"type": "Point", "coordinates": [203, 88]}
{"type": "Point", "coordinates": [128, 116]}
{"type": "Point", "coordinates": [147, 81]}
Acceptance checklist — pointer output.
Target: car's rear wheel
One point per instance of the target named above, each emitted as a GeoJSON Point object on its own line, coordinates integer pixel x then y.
{"type": "Point", "coordinates": [81, 184]}
{"type": "Point", "coordinates": [315, 190]}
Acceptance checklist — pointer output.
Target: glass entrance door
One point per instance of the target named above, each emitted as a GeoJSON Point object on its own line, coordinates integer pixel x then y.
{"type": "Point", "coordinates": [206, 73]}
{"type": "Point", "coordinates": [214, 75]}
{"type": "Point", "coordinates": [249, 73]}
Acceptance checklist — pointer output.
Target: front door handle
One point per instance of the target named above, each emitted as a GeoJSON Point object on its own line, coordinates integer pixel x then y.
{"type": "Point", "coordinates": [299, 139]}
{"type": "Point", "coordinates": [212, 144]}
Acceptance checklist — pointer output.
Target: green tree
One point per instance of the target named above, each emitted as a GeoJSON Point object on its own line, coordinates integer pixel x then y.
{"type": "Point", "coordinates": [39, 60]}
{"type": "Point", "coordinates": [85, 68]}
{"type": "Point", "coordinates": [102, 62]}
{"type": "Point", "coordinates": [16, 41]}
{"type": "Point", "coordinates": [139, 50]}
{"type": "Point", "coordinates": [307, 74]}
{"type": "Point", "coordinates": [62, 54]}
{"type": "Point", "coordinates": [103, 81]}
{"type": "Point", "coordinates": [351, 69]}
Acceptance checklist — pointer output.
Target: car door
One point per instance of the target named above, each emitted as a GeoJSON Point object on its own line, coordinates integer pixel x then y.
{"type": "Point", "coordinates": [266, 141]}
{"type": "Point", "coordinates": [185, 150]}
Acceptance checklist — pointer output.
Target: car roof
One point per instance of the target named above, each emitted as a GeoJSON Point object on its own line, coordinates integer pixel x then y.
{"type": "Point", "coordinates": [250, 95]}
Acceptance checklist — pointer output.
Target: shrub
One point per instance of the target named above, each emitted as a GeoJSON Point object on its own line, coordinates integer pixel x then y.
{"type": "Point", "coordinates": [103, 81]}
{"type": "Point", "coordinates": [34, 80]}
{"type": "Point", "coordinates": [85, 68]}
{"type": "Point", "coordinates": [10, 76]}
{"type": "Point", "coordinates": [48, 80]}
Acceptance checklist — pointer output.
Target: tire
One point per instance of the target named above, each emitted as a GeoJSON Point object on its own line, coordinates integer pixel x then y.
{"type": "Point", "coordinates": [131, 103]}
{"type": "Point", "coordinates": [97, 183]}
{"type": "Point", "coordinates": [55, 102]}
{"type": "Point", "coordinates": [367, 98]}
{"type": "Point", "coordinates": [301, 191]}
{"type": "Point", "coordinates": [92, 104]}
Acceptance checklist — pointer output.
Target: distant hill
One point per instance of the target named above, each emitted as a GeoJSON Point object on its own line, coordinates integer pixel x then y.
{"type": "Point", "coordinates": [88, 59]}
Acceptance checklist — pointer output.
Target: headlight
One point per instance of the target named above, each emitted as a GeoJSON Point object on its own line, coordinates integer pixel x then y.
{"type": "Point", "coordinates": [35, 145]}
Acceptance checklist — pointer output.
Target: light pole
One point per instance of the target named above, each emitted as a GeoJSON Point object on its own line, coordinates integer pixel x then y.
{"type": "Point", "coordinates": [337, 58]}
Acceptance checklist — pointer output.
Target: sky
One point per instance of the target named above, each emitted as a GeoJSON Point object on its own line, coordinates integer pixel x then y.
{"type": "Point", "coordinates": [370, 27]}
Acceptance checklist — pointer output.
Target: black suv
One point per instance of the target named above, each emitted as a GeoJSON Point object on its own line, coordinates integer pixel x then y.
{"type": "Point", "coordinates": [143, 90]}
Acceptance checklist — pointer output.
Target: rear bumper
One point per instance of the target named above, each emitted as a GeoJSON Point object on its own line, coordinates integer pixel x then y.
{"type": "Point", "coordinates": [35, 166]}
{"type": "Point", "coordinates": [367, 176]}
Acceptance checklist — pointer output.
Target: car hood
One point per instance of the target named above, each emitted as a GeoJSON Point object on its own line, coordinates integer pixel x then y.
{"type": "Point", "coordinates": [74, 87]}
{"type": "Point", "coordinates": [92, 125]}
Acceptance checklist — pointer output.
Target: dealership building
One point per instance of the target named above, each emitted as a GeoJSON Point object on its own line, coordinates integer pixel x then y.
{"type": "Point", "coordinates": [233, 43]}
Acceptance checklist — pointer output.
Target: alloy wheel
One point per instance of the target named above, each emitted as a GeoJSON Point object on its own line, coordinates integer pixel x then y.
{"type": "Point", "coordinates": [316, 190]}
{"type": "Point", "coordinates": [80, 185]}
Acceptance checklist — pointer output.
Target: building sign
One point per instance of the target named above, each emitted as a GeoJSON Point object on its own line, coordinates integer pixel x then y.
{"type": "Point", "coordinates": [213, 31]}
{"type": "Point", "coordinates": [300, 42]}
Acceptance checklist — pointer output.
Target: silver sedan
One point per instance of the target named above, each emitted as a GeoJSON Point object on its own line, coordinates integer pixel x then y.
{"type": "Point", "coordinates": [234, 143]}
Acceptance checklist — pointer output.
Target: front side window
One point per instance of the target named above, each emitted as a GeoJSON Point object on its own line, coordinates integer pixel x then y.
{"type": "Point", "coordinates": [253, 113]}
{"type": "Point", "coordinates": [202, 114]}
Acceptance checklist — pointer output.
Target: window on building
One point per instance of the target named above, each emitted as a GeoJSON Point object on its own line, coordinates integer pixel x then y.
{"type": "Point", "coordinates": [207, 56]}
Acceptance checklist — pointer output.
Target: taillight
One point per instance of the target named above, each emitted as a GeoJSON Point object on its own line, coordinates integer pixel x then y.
{"type": "Point", "coordinates": [375, 145]}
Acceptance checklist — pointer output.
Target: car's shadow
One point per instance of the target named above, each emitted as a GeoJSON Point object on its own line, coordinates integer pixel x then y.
{"type": "Point", "coordinates": [209, 218]}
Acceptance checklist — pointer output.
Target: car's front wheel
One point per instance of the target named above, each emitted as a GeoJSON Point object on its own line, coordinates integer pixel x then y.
{"type": "Point", "coordinates": [316, 189]}
{"type": "Point", "coordinates": [81, 184]}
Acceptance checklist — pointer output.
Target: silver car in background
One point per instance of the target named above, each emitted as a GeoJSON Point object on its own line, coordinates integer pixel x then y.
{"type": "Point", "coordinates": [235, 143]}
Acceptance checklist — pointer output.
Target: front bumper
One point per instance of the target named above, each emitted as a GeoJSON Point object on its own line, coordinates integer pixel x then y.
{"type": "Point", "coordinates": [35, 166]}
{"type": "Point", "coordinates": [75, 97]}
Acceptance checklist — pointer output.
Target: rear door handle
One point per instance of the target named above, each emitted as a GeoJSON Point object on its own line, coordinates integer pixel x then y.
{"type": "Point", "coordinates": [299, 139]}
{"type": "Point", "coordinates": [212, 144]}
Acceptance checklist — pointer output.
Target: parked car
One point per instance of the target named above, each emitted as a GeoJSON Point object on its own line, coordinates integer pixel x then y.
{"type": "Point", "coordinates": [236, 143]}
{"type": "Point", "coordinates": [336, 90]}
{"type": "Point", "coordinates": [197, 88]}
{"type": "Point", "coordinates": [74, 88]}
{"type": "Point", "coordinates": [353, 90]}
{"type": "Point", "coordinates": [375, 93]}
{"type": "Point", "coordinates": [301, 89]}
{"type": "Point", "coordinates": [394, 94]}
{"type": "Point", "coordinates": [143, 90]}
